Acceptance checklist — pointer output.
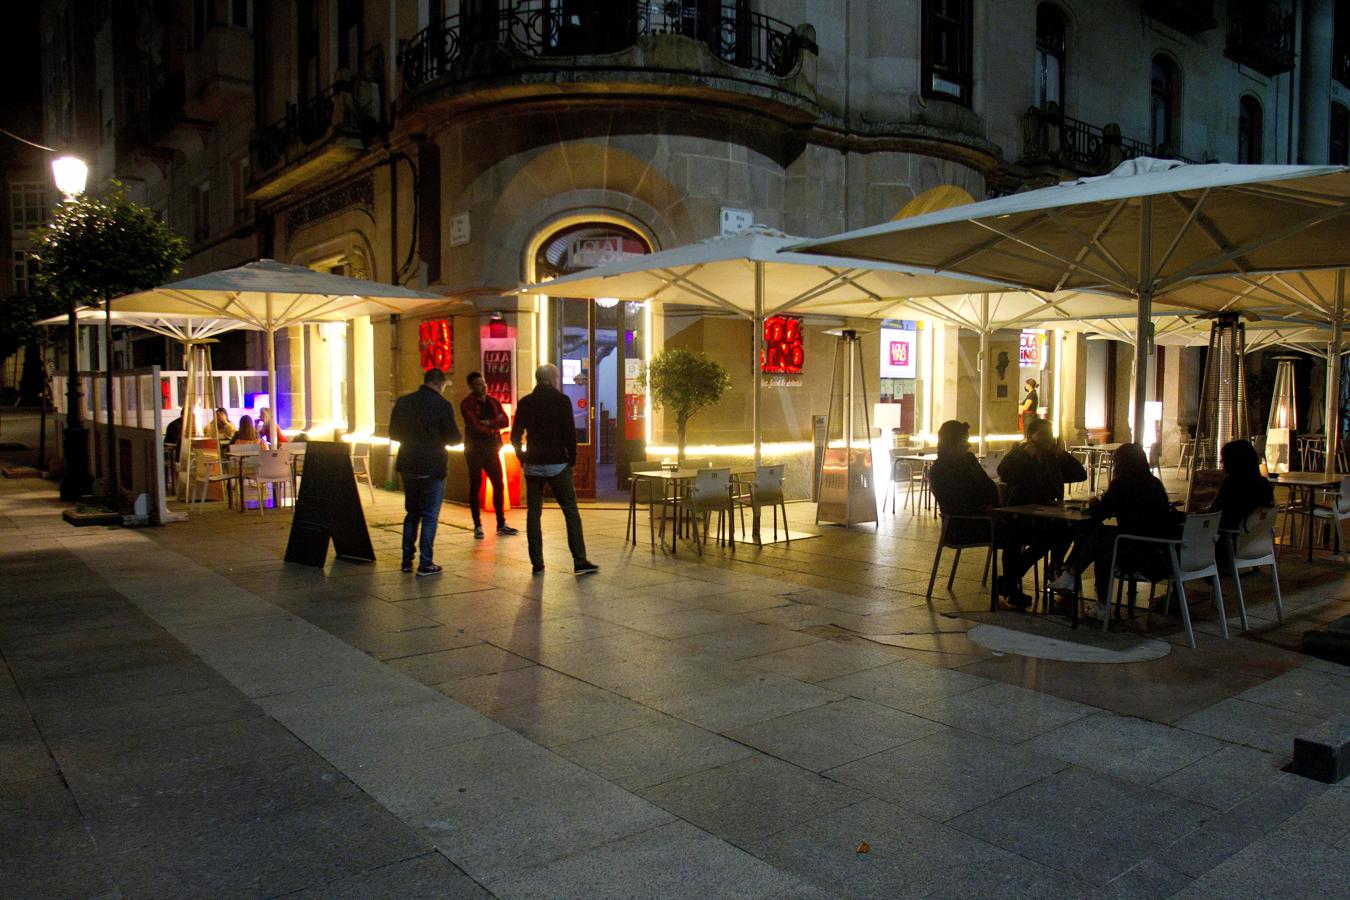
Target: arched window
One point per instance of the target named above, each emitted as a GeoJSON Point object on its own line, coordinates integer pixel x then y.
{"type": "Point", "coordinates": [1340, 135]}
{"type": "Point", "coordinates": [948, 32]}
{"type": "Point", "coordinates": [1050, 45]}
{"type": "Point", "coordinates": [1165, 87]}
{"type": "Point", "coordinates": [1250, 130]}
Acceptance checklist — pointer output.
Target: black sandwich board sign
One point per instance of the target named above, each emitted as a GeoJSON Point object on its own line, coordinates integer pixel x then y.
{"type": "Point", "coordinates": [328, 507]}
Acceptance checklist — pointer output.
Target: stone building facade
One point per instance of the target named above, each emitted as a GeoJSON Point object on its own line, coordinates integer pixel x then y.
{"type": "Point", "coordinates": [467, 147]}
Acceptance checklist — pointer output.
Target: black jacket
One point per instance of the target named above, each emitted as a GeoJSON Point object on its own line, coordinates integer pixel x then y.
{"type": "Point", "coordinates": [423, 422]}
{"type": "Point", "coordinates": [1238, 496]}
{"type": "Point", "coordinates": [1037, 479]}
{"type": "Point", "coordinates": [544, 419]}
{"type": "Point", "coordinates": [962, 488]}
{"type": "Point", "coordinates": [1140, 505]}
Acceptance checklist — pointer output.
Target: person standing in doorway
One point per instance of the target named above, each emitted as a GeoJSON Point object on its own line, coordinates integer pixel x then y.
{"type": "Point", "coordinates": [1030, 403]}
{"type": "Point", "coordinates": [544, 423]}
{"type": "Point", "coordinates": [484, 419]}
{"type": "Point", "coordinates": [423, 423]}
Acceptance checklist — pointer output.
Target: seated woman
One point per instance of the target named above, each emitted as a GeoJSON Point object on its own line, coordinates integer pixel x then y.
{"type": "Point", "coordinates": [1035, 471]}
{"type": "Point", "coordinates": [1243, 488]}
{"type": "Point", "coordinates": [960, 486]}
{"type": "Point", "coordinates": [246, 434]}
{"type": "Point", "coordinates": [1138, 502]}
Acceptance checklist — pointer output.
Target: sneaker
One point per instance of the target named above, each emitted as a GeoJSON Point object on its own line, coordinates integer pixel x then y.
{"type": "Point", "coordinates": [503, 528]}
{"type": "Point", "coordinates": [478, 532]}
{"type": "Point", "coordinates": [407, 565]}
{"type": "Point", "coordinates": [586, 567]}
{"type": "Point", "coordinates": [1066, 583]}
{"type": "Point", "coordinates": [429, 569]}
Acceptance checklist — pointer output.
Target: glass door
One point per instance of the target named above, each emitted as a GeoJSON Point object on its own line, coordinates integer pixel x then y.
{"type": "Point", "coordinates": [573, 340]}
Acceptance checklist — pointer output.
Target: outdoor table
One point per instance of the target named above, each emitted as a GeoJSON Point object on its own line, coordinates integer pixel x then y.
{"type": "Point", "coordinates": [927, 459]}
{"type": "Point", "coordinates": [674, 483]}
{"type": "Point", "coordinates": [1308, 482]}
{"type": "Point", "coordinates": [1075, 516]}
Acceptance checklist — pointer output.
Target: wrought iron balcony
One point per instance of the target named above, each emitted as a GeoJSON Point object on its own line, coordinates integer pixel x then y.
{"type": "Point", "coordinates": [1063, 141]}
{"type": "Point", "coordinates": [541, 30]}
{"type": "Point", "coordinates": [1260, 36]}
{"type": "Point", "coordinates": [1186, 16]}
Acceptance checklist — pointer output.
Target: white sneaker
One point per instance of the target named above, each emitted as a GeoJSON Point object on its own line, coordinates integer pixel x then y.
{"type": "Point", "coordinates": [1066, 583]}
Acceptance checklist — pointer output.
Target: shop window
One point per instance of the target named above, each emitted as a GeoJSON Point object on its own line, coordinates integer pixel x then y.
{"type": "Point", "coordinates": [947, 61]}
{"type": "Point", "coordinates": [1340, 135]}
{"type": "Point", "coordinates": [1051, 42]}
{"type": "Point", "coordinates": [1164, 106]}
{"type": "Point", "coordinates": [899, 412]}
{"type": "Point", "coordinates": [1249, 130]}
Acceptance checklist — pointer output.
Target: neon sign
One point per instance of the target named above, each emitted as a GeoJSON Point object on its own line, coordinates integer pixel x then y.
{"type": "Point", "coordinates": [784, 352]}
{"type": "Point", "coordinates": [1029, 350]}
{"type": "Point", "coordinates": [436, 344]}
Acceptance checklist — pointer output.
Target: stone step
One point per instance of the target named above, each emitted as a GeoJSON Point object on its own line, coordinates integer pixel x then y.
{"type": "Point", "coordinates": [1323, 753]}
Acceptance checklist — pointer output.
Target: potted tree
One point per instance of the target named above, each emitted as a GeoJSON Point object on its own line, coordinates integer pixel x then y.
{"type": "Point", "coordinates": [684, 382]}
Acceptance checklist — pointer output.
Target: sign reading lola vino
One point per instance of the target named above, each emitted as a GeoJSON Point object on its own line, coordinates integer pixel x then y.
{"type": "Point", "coordinates": [499, 368]}
{"type": "Point", "coordinates": [436, 344]}
{"type": "Point", "coordinates": [898, 357]}
{"type": "Point", "coordinates": [784, 352]}
{"type": "Point", "coordinates": [1029, 350]}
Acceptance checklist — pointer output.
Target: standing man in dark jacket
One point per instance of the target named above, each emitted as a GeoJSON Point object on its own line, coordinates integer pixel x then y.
{"type": "Point", "coordinates": [544, 421]}
{"type": "Point", "coordinates": [422, 422]}
{"type": "Point", "coordinates": [484, 419]}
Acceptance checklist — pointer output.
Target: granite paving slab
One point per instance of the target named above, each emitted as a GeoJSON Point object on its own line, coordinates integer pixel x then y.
{"type": "Point", "coordinates": [1250, 724]}
{"type": "Point", "coordinates": [1224, 778]}
{"type": "Point", "coordinates": [575, 718]}
{"type": "Point", "coordinates": [1132, 749]}
{"type": "Point", "coordinates": [823, 737]}
{"type": "Point", "coordinates": [904, 684]}
{"type": "Point", "coordinates": [1277, 865]}
{"type": "Point", "coordinates": [429, 876]}
{"type": "Point", "coordinates": [648, 755]}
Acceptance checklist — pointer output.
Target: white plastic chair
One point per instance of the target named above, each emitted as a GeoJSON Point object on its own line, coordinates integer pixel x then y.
{"type": "Point", "coordinates": [1253, 545]}
{"type": "Point", "coordinates": [1335, 513]}
{"type": "Point", "coordinates": [208, 469]}
{"type": "Point", "coordinates": [297, 452]}
{"type": "Point", "coordinates": [274, 469]}
{"type": "Point", "coordinates": [1191, 558]}
{"type": "Point", "coordinates": [361, 466]}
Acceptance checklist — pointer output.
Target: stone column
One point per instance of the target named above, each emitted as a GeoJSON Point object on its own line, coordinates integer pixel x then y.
{"type": "Point", "coordinates": [1314, 129]}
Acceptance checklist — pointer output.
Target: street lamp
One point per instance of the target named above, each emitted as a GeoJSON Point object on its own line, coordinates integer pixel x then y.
{"type": "Point", "coordinates": [70, 174]}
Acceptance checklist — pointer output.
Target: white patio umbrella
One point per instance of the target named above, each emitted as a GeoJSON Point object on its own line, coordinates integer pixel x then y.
{"type": "Point", "coordinates": [268, 295]}
{"type": "Point", "coordinates": [749, 274]}
{"type": "Point", "coordinates": [1142, 231]}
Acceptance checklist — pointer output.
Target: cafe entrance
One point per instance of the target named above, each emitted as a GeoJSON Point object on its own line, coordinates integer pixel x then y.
{"type": "Point", "coordinates": [599, 347]}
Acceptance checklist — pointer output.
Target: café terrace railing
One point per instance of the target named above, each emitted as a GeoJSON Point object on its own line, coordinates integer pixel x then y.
{"type": "Point", "coordinates": [539, 29]}
{"type": "Point", "coordinates": [1052, 137]}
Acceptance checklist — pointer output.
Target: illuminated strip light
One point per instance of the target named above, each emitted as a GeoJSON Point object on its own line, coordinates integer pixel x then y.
{"type": "Point", "coordinates": [381, 441]}
{"type": "Point", "coordinates": [781, 447]}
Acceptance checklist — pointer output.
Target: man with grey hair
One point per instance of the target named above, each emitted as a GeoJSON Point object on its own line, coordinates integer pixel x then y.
{"type": "Point", "coordinates": [549, 451]}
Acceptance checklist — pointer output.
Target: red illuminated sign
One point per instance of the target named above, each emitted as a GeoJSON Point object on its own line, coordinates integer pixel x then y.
{"type": "Point", "coordinates": [783, 352]}
{"type": "Point", "coordinates": [436, 344]}
{"type": "Point", "coordinates": [497, 375]}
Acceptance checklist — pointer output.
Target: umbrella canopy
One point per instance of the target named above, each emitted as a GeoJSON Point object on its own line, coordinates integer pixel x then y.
{"type": "Point", "coordinates": [269, 296]}
{"type": "Point", "coordinates": [184, 329]}
{"type": "Point", "coordinates": [749, 274]}
{"type": "Point", "coordinates": [1144, 230]}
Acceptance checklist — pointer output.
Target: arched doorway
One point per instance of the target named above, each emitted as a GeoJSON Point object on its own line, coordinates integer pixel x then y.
{"type": "Point", "coordinates": [599, 346]}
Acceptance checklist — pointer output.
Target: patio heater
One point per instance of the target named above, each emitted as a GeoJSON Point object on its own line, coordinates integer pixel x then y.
{"type": "Point", "coordinates": [1223, 393]}
{"type": "Point", "coordinates": [1283, 419]}
{"type": "Point", "coordinates": [847, 487]}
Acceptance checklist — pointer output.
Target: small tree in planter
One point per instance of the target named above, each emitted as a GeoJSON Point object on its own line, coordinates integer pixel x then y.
{"type": "Point", "coordinates": [683, 382]}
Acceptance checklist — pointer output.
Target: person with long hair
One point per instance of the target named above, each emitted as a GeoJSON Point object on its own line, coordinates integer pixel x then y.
{"type": "Point", "coordinates": [224, 430]}
{"type": "Point", "coordinates": [1138, 502]}
{"type": "Point", "coordinates": [247, 432]}
{"type": "Point", "coordinates": [959, 485]}
{"type": "Point", "coordinates": [1243, 488]}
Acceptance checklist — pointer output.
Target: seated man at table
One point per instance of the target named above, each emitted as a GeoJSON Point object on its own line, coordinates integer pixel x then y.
{"type": "Point", "coordinates": [960, 485]}
{"type": "Point", "coordinates": [1138, 502]}
{"type": "Point", "coordinates": [1033, 472]}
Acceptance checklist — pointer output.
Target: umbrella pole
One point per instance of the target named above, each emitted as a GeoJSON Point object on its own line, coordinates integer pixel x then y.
{"type": "Point", "coordinates": [271, 376]}
{"type": "Point", "coordinates": [112, 493]}
{"type": "Point", "coordinates": [757, 332]}
{"type": "Point", "coordinates": [1143, 320]}
{"type": "Point", "coordinates": [983, 368]}
{"type": "Point", "coordinates": [1333, 417]}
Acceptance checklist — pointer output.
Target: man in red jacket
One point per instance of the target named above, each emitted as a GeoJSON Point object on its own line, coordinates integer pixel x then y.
{"type": "Point", "coordinates": [484, 419]}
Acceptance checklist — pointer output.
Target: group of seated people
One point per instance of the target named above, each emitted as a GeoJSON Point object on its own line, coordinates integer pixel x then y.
{"type": "Point", "coordinates": [248, 432]}
{"type": "Point", "coordinates": [1035, 472]}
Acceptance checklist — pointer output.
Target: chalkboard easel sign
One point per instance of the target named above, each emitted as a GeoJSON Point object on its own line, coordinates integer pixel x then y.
{"type": "Point", "coordinates": [328, 507]}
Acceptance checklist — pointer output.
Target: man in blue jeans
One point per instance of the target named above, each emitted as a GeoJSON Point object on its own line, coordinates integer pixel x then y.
{"type": "Point", "coordinates": [544, 421]}
{"type": "Point", "coordinates": [423, 423]}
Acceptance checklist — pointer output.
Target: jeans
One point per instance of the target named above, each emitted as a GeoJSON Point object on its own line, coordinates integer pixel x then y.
{"type": "Point", "coordinates": [487, 462]}
{"type": "Point", "coordinates": [566, 495]}
{"type": "Point", "coordinates": [422, 496]}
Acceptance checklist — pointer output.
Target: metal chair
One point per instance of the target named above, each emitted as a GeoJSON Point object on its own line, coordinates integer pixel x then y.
{"type": "Point", "coordinates": [361, 466]}
{"type": "Point", "coordinates": [767, 490]}
{"type": "Point", "coordinates": [1253, 545]}
{"type": "Point", "coordinates": [641, 492]}
{"type": "Point", "coordinates": [710, 492]}
{"type": "Point", "coordinates": [958, 547]}
{"type": "Point", "coordinates": [1190, 558]}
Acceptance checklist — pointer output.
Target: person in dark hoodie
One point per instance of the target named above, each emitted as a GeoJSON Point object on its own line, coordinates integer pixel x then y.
{"type": "Point", "coordinates": [544, 435]}
{"type": "Point", "coordinates": [1035, 471]}
{"type": "Point", "coordinates": [960, 486]}
{"type": "Point", "coordinates": [1138, 502]}
{"type": "Point", "coordinates": [1243, 488]}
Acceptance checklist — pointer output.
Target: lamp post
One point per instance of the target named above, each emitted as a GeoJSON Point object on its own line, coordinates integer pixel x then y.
{"type": "Point", "coordinates": [70, 175]}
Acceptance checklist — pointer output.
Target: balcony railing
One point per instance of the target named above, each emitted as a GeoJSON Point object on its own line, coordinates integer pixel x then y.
{"type": "Point", "coordinates": [1261, 36]}
{"type": "Point", "coordinates": [540, 30]}
{"type": "Point", "coordinates": [1081, 146]}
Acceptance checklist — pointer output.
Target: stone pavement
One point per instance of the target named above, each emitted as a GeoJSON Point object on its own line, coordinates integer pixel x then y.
{"type": "Point", "coordinates": [182, 714]}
